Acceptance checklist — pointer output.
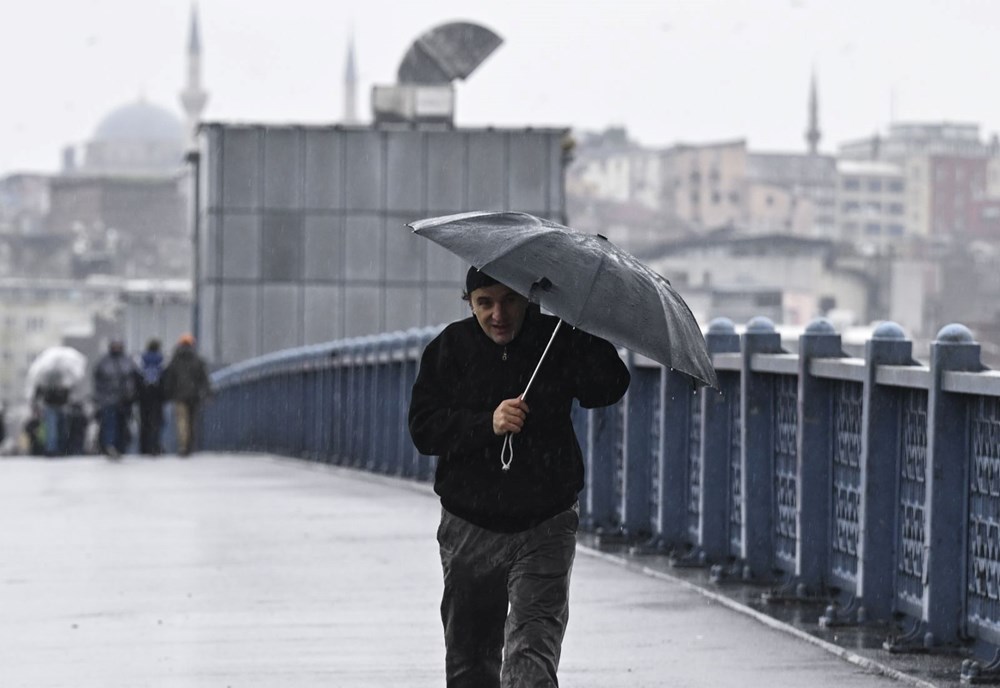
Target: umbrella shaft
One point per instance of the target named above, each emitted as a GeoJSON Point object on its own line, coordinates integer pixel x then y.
{"type": "Point", "coordinates": [507, 452]}
{"type": "Point", "coordinates": [547, 347]}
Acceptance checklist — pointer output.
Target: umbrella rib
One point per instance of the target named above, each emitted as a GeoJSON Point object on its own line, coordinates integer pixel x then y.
{"type": "Point", "coordinates": [513, 245]}
{"type": "Point", "coordinates": [586, 301]}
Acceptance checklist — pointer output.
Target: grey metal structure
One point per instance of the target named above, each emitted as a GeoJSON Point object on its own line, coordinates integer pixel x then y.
{"type": "Point", "coordinates": [300, 229]}
{"type": "Point", "coordinates": [447, 52]}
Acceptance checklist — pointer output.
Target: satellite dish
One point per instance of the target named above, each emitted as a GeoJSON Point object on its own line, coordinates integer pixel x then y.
{"type": "Point", "coordinates": [447, 52]}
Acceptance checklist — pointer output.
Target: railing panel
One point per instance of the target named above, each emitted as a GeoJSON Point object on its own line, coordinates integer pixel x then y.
{"type": "Point", "coordinates": [785, 471]}
{"type": "Point", "coordinates": [736, 476]}
{"type": "Point", "coordinates": [984, 519]}
{"type": "Point", "coordinates": [847, 415]}
{"type": "Point", "coordinates": [911, 526]}
{"type": "Point", "coordinates": [694, 471]}
{"type": "Point", "coordinates": [656, 453]}
{"type": "Point", "coordinates": [618, 457]}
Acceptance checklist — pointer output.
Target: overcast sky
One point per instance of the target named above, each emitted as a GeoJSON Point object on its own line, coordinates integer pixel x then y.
{"type": "Point", "coordinates": [677, 70]}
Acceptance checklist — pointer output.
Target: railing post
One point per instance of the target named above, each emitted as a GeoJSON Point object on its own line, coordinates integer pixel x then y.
{"type": "Point", "coordinates": [426, 465]}
{"type": "Point", "coordinates": [676, 394]}
{"type": "Point", "coordinates": [411, 360]}
{"type": "Point", "coordinates": [599, 491]}
{"type": "Point", "coordinates": [637, 452]}
{"type": "Point", "coordinates": [716, 420]}
{"type": "Point", "coordinates": [880, 438]}
{"type": "Point", "coordinates": [757, 399]}
{"type": "Point", "coordinates": [339, 409]}
{"type": "Point", "coordinates": [814, 439]}
{"type": "Point", "coordinates": [369, 450]}
{"type": "Point", "coordinates": [947, 449]}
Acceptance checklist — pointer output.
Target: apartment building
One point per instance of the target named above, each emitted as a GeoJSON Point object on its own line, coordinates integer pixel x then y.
{"type": "Point", "coordinates": [871, 202]}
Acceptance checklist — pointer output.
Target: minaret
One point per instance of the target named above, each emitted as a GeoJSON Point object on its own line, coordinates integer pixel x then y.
{"type": "Point", "coordinates": [350, 85]}
{"type": "Point", "coordinates": [813, 134]}
{"type": "Point", "coordinates": [193, 97]}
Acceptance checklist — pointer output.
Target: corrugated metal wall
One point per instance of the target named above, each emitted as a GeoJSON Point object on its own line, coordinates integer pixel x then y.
{"type": "Point", "coordinates": [302, 236]}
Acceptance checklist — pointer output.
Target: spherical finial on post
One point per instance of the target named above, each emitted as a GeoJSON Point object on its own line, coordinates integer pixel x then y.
{"type": "Point", "coordinates": [721, 326]}
{"type": "Point", "coordinates": [955, 333]}
{"type": "Point", "coordinates": [820, 326]}
{"type": "Point", "coordinates": [760, 325]}
{"type": "Point", "coordinates": [888, 330]}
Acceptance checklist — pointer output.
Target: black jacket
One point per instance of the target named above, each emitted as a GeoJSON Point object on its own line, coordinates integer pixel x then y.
{"type": "Point", "coordinates": [185, 378]}
{"type": "Point", "coordinates": [464, 376]}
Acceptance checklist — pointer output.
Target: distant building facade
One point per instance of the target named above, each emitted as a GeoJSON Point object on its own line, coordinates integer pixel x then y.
{"type": "Point", "coordinates": [908, 139]}
{"type": "Point", "coordinates": [871, 202]}
{"type": "Point", "coordinates": [806, 185]}
{"type": "Point", "coordinates": [795, 278]}
{"type": "Point", "coordinates": [25, 201]}
{"type": "Point", "coordinates": [706, 184]}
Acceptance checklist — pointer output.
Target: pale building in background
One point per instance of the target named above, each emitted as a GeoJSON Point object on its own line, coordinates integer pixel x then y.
{"type": "Point", "coordinates": [706, 184]}
{"type": "Point", "coordinates": [871, 202]}
{"type": "Point", "coordinates": [906, 139]}
{"type": "Point", "coordinates": [793, 278]}
{"type": "Point", "coordinates": [808, 183]}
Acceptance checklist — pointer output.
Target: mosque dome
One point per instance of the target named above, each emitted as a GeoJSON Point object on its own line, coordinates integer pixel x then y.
{"type": "Point", "coordinates": [140, 120]}
{"type": "Point", "coordinates": [137, 137]}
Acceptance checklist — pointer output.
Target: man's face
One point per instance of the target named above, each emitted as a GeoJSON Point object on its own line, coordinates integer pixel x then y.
{"type": "Point", "coordinates": [499, 310]}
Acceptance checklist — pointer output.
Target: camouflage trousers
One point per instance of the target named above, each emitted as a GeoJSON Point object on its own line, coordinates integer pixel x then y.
{"type": "Point", "coordinates": [506, 601]}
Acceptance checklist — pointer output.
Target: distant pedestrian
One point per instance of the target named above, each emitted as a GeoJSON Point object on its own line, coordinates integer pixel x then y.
{"type": "Point", "coordinates": [116, 380]}
{"type": "Point", "coordinates": [52, 398]}
{"type": "Point", "coordinates": [185, 382]}
{"type": "Point", "coordinates": [53, 386]}
{"type": "Point", "coordinates": [151, 399]}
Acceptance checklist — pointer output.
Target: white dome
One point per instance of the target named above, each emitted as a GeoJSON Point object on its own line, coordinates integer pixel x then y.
{"type": "Point", "coordinates": [140, 121]}
{"type": "Point", "coordinates": [138, 138]}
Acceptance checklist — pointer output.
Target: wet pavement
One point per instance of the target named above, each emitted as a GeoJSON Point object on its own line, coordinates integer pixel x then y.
{"type": "Point", "coordinates": [253, 571]}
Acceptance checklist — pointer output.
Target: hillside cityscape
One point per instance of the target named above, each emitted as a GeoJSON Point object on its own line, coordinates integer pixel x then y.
{"type": "Point", "coordinates": [899, 224]}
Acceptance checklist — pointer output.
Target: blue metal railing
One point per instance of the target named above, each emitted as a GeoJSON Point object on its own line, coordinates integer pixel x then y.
{"type": "Point", "coordinates": [874, 481]}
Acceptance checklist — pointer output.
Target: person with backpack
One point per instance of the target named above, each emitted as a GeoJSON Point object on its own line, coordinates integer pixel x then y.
{"type": "Point", "coordinates": [151, 399]}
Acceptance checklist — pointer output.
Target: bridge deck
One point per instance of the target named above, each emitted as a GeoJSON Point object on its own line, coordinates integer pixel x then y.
{"type": "Point", "coordinates": [247, 571]}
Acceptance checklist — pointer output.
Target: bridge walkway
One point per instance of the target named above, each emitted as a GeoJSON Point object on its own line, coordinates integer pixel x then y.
{"type": "Point", "coordinates": [243, 571]}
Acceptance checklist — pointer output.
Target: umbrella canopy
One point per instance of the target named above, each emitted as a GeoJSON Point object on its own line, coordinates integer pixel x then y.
{"type": "Point", "coordinates": [59, 366]}
{"type": "Point", "coordinates": [583, 279]}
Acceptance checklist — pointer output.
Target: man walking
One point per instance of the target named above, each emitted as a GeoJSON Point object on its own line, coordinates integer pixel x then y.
{"type": "Point", "coordinates": [115, 384]}
{"type": "Point", "coordinates": [185, 382]}
{"type": "Point", "coordinates": [508, 524]}
{"type": "Point", "coordinates": [151, 399]}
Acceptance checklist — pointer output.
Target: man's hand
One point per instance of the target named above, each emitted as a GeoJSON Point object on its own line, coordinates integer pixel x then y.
{"type": "Point", "coordinates": [509, 416]}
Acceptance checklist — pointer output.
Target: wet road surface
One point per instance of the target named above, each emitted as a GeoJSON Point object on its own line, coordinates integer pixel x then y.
{"type": "Point", "coordinates": [250, 571]}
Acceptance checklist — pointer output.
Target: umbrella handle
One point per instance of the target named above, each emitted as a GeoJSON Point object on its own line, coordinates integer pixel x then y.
{"type": "Point", "coordinates": [507, 451]}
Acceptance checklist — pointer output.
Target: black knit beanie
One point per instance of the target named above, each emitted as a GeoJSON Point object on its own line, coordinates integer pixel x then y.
{"type": "Point", "coordinates": [475, 279]}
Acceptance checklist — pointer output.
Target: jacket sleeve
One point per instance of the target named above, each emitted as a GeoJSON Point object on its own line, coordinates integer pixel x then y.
{"type": "Point", "coordinates": [601, 376]}
{"type": "Point", "coordinates": [438, 423]}
{"type": "Point", "coordinates": [167, 381]}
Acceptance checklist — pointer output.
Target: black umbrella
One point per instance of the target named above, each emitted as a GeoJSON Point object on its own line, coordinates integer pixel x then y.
{"type": "Point", "coordinates": [583, 279]}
